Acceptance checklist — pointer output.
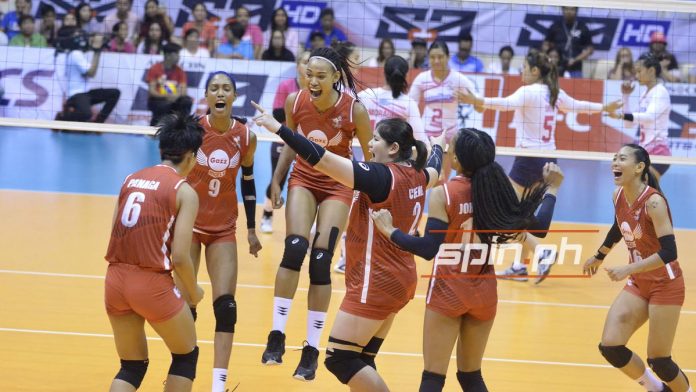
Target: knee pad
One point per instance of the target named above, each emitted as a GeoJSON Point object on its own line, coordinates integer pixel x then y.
{"type": "Point", "coordinates": [617, 356]}
{"type": "Point", "coordinates": [370, 351]}
{"type": "Point", "coordinates": [333, 238]}
{"type": "Point", "coordinates": [431, 382]}
{"type": "Point", "coordinates": [294, 253]}
{"type": "Point", "coordinates": [472, 381]}
{"type": "Point", "coordinates": [132, 372]}
{"type": "Point", "coordinates": [664, 367]}
{"type": "Point", "coordinates": [184, 365]}
{"type": "Point", "coordinates": [225, 309]}
{"type": "Point", "coordinates": [344, 364]}
{"type": "Point", "coordinates": [320, 267]}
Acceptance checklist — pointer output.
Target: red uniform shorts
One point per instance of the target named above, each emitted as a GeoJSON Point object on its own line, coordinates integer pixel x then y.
{"type": "Point", "coordinates": [371, 311]}
{"type": "Point", "coordinates": [150, 294]}
{"type": "Point", "coordinates": [477, 298]}
{"type": "Point", "coordinates": [337, 191]}
{"type": "Point", "coordinates": [209, 239]}
{"type": "Point", "coordinates": [658, 292]}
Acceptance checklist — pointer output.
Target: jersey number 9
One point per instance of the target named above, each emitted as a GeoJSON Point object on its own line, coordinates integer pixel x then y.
{"type": "Point", "coordinates": [214, 187]}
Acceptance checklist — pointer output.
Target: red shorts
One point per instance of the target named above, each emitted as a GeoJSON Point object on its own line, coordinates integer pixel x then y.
{"type": "Point", "coordinates": [658, 292]}
{"type": "Point", "coordinates": [338, 191]}
{"type": "Point", "coordinates": [150, 294]}
{"type": "Point", "coordinates": [371, 311]}
{"type": "Point", "coordinates": [477, 298]}
{"type": "Point", "coordinates": [209, 239]}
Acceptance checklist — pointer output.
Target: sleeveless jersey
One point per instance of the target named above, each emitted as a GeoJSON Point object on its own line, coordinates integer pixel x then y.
{"type": "Point", "coordinates": [215, 177]}
{"type": "Point", "coordinates": [381, 105]}
{"type": "Point", "coordinates": [141, 233]}
{"type": "Point", "coordinates": [333, 130]}
{"type": "Point", "coordinates": [377, 271]}
{"type": "Point", "coordinates": [639, 234]}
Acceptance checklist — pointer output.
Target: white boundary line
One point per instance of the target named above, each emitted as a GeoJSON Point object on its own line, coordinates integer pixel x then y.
{"type": "Point", "coordinates": [269, 287]}
{"type": "Point", "coordinates": [259, 345]}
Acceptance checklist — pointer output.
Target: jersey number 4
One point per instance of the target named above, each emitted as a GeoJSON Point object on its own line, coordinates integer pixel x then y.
{"type": "Point", "coordinates": [131, 211]}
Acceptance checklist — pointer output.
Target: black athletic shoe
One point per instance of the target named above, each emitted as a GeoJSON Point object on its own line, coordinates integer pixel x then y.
{"type": "Point", "coordinates": [307, 369]}
{"type": "Point", "coordinates": [275, 348]}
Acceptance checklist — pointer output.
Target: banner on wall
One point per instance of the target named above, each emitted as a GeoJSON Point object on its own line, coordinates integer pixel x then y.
{"type": "Point", "coordinates": [34, 88]}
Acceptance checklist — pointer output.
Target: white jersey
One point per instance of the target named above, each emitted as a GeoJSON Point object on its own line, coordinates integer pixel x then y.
{"type": "Point", "coordinates": [653, 117]}
{"type": "Point", "coordinates": [535, 119]}
{"type": "Point", "coordinates": [441, 111]}
{"type": "Point", "coordinates": [380, 105]}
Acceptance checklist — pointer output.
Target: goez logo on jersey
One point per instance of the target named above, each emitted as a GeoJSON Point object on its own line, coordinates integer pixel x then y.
{"type": "Point", "coordinates": [218, 162]}
{"type": "Point", "coordinates": [636, 32]}
{"type": "Point", "coordinates": [409, 23]}
{"type": "Point", "coordinates": [303, 13]}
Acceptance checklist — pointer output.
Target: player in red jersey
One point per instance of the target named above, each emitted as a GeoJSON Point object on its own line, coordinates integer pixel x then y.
{"type": "Point", "coordinates": [331, 118]}
{"type": "Point", "coordinates": [380, 277]}
{"type": "Point", "coordinates": [462, 296]}
{"type": "Point", "coordinates": [654, 291]}
{"type": "Point", "coordinates": [285, 88]}
{"type": "Point", "coordinates": [150, 237]}
{"type": "Point", "coordinates": [227, 145]}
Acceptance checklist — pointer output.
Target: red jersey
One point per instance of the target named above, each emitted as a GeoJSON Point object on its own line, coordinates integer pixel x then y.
{"type": "Point", "coordinates": [141, 233]}
{"type": "Point", "coordinates": [334, 130]}
{"type": "Point", "coordinates": [175, 75]}
{"type": "Point", "coordinates": [377, 271]}
{"type": "Point", "coordinates": [215, 177]}
{"type": "Point", "coordinates": [639, 234]}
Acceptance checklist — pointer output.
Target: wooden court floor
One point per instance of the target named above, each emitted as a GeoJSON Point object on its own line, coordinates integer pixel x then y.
{"type": "Point", "coordinates": [55, 335]}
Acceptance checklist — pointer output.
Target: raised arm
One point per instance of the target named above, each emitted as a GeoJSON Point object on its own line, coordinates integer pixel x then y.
{"type": "Point", "coordinates": [569, 104]}
{"type": "Point", "coordinates": [511, 102]}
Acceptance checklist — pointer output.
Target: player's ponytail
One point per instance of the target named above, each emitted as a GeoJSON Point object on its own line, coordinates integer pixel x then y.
{"type": "Point", "coordinates": [341, 64]}
{"type": "Point", "coordinates": [421, 154]}
{"type": "Point", "coordinates": [395, 71]}
{"type": "Point", "coordinates": [641, 155]}
{"type": "Point", "coordinates": [396, 130]}
{"type": "Point", "coordinates": [496, 208]}
{"type": "Point", "coordinates": [548, 73]}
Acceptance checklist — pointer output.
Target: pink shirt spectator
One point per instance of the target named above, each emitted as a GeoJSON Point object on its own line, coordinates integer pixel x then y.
{"type": "Point", "coordinates": [285, 88]}
{"type": "Point", "coordinates": [253, 33]}
{"type": "Point", "coordinates": [127, 47]}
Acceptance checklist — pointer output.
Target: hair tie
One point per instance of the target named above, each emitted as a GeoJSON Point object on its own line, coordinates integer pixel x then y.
{"type": "Point", "coordinates": [325, 59]}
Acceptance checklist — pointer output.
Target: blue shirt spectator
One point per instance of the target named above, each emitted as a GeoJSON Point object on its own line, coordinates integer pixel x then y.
{"type": "Point", "coordinates": [328, 30]}
{"type": "Point", "coordinates": [235, 48]}
{"type": "Point", "coordinates": [463, 61]}
{"type": "Point", "coordinates": [10, 22]}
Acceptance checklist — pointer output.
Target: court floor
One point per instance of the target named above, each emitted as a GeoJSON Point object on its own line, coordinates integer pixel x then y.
{"type": "Point", "coordinates": [56, 337]}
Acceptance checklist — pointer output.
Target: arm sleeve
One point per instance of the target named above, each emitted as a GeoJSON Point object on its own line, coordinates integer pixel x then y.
{"type": "Point", "coordinates": [249, 195]}
{"type": "Point", "coordinates": [659, 103]}
{"type": "Point", "coordinates": [613, 236]}
{"type": "Point", "coordinates": [511, 102]}
{"type": "Point", "coordinates": [435, 160]}
{"type": "Point", "coordinates": [569, 104]}
{"type": "Point", "coordinates": [373, 179]}
{"type": "Point", "coordinates": [668, 248]}
{"type": "Point", "coordinates": [305, 148]}
{"type": "Point", "coordinates": [543, 217]}
{"type": "Point", "coordinates": [426, 246]}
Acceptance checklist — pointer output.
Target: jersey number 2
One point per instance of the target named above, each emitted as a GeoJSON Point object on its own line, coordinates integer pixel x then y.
{"type": "Point", "coordinates": [131, 211]}
{"type": "Point", "coordinates": [416, 217]}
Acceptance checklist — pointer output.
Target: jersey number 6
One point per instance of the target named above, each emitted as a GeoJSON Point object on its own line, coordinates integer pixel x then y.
{"type": "Point", "coordinates": [131, 211]}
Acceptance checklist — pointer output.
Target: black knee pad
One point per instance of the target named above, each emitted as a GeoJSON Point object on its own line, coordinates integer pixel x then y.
{"type": "Point", "coordinates": [370, 351]}
{"type": "Point", "coordinates": [472, 381]}
{"type": "Point", "coordinates": [184, 365]}
{"type": "Point", "coordinates": [664, 367]}
{"type": "Point", "coordinates": [320, 267]}
{"type": "Point", "coordinates": [431, 382]}
{"type": "Point", "coordinates": [132, 372]}
{"type": "Point", "coordinates": [225, 309]}
{"type": "Point", "coordinates": [617, 356]}
{"type": "Point", "coordinates": [344, 364]}
{"type": "Point", "coordinates": [333, 239]}
{"type": "Point", "coordinates": [294, 253]}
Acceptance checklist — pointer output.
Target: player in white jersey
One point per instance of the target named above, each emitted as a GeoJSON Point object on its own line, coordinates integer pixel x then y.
{"type": "Point", "coordinates": [655, 107]}
{"type": "Point", "coordinates": [536, 106]}
{"type": "Point", "coordinates": [441, 90]}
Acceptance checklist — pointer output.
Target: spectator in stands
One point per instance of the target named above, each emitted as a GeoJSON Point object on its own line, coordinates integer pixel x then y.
{"type": "Point", "coordinates": [572, 39]}
{"type": "Point", "coordinates": [328, 29]}
{"type": "Point", "coordinates": [6, 6]}
{"type": "Point", "coordinates": [78, 70]}
{"type": "Point", "coordinates": [28, 37]}
{"type": "Point", "coordinates": [279, 21]}
{"type": "Point", "coordinates": [252, 32]}
{"type": "Point", "coordinates": [167, 86]}
{"type": "Point", "coordinates": [670, 67]}
{"type": "Point", "coordinates": [276, 48]}
{"type": "Point", "coordinates": [69, 20]}
{"type": "Point", "coordinates": [556, 58]}
{"type": "Point", "coordinates": [207, 31]}
{"type": "Point", "coordinates": [503, 67]}
{"type": "Point", "coordinates": [10, 22]}
{"type": "Point", "coordinates": [463, 61]}
{"type": "Point", "coordinates": [386, 50]}
{"type": "Point", "coordinates": [418, 56]}
{"type": "Point", "coordinates": [154, 13]}
{"type": "Point", "coordinates": [123, 13]}
{"type": "Point", "coordinates": [119, 43]}
{"type": "Point", "coordinates": [192, 46]}
{"type": "Point", "coordinates": [86, 20]}
{"type": "Point", "coordinates": [235, 47]}
{"type": "Point", "coordinates": [153, 42]}
{"type": "Point", "coordinates": [623, 65]}
{"type": "Point", "coordinates": [47, 25]}
{"type": "Point", "coordinates": [316, 41]}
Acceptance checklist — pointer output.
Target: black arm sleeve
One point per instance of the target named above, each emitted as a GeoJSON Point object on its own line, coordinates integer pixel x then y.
{"type": "Point", "coordinates": [249, 195]}
{"type": "Point", "coordinates": [435, 159]}
{"type": "Point", "coordinates": [543, 217]}
{"type": "Point", "coordinates": [279, 115]}
{"type": "Point", "coordinates": [668, 248]}
{"type": "Point", "coordinates": [373, 179]}
{"type": "Point", "coordinates": [426, 246]}
{"type": "Point", "coordinates": [628, 117]}
{"type": "Point", "coordinates": [305, 148]}
{"type": "Point", "coordinates": [613, 236]}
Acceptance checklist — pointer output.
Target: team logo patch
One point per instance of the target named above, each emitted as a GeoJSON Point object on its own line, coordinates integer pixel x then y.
{"type": "Point", "coordinates": [218, 161]}
{"type": "Point", "coordinates": [364, 166]}
{"type": "Point", "coordinates": [318, 137]}
{"type": "Point", "coordinates": [337, 122]}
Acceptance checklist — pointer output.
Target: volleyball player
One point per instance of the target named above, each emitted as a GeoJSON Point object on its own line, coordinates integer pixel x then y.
{"type": "Point", "coordinates": [655, 108]}
{"type": "Point", "coordinates": [285, 88]}
{"type": "Point", "coordinates": [227, 145]}
{"type": "Point", "coordinates": [389, 101]}
{"type": "Point", "coordinates": [380, 278]}
{"type": "Point", "coordinates": [440, 88]}
{"type": "Point", "coordinates": [462, 298]}
{"type": "Point", "coordinates": [150, 237]}
{"type": "Point", "coordinates": [654, 291]}
{"type": "Point", "coordinates": [331, 118]}
{"type": "Point", "coordinates": [536, 106]}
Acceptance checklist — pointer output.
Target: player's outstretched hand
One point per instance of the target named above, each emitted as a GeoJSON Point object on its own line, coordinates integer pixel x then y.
{"type": "Point", "coordinates": [438, 140]}
{"type": "Point", "coordinates": [612, 108]}
{"type": "Point", "coordinates": [265, 119]}
{"type": "Point", "coordinates": [254, 243]}
{"type": "Point", "coordinates": [627, 87]}
{"type": "Point", "coordinates": [591, 266]}
{"type": "Point", "coordinates": [553, 175]}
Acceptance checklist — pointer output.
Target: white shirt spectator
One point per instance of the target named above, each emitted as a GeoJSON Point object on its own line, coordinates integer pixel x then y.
{"type": "Point", "coordinates": [77, 64]}
{"type": "Point", "coordinates": [380, 105]}
{"type": "Point", "coordinates": [497, 68]}
{"type": "Point", "coordinates": [201, 53]}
